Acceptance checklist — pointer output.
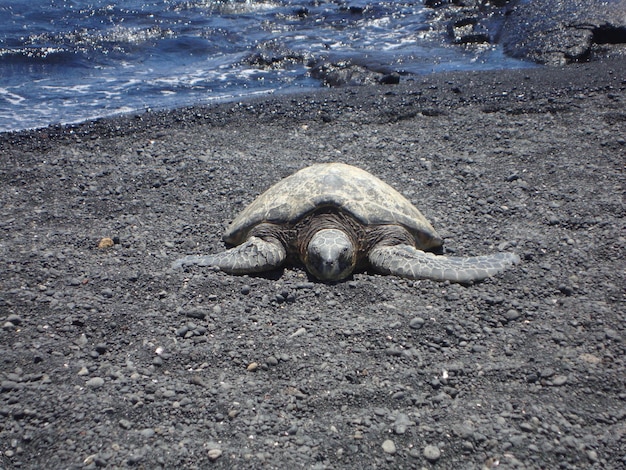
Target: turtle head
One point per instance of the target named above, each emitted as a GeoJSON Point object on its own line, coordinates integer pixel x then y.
{"type": "Point", "coordinates": [330, 255]}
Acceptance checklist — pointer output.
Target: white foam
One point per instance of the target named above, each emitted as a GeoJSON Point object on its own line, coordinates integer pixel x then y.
{"type": "Point", "coordinates": [81, 89]}
{"type": "Point", "coordinates": [12, 98]}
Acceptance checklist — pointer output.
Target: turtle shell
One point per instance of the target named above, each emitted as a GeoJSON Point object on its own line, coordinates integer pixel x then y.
{"type": "Point", "coordinates": [337, 185]}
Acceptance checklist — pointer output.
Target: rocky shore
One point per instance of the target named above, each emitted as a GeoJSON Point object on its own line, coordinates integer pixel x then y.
{"type": "Point", "coordinates": [547, 32]}
{"type": "Point", "coordinates": [111, 359]}
{"type": "Point", "coordinates": [553, 32]}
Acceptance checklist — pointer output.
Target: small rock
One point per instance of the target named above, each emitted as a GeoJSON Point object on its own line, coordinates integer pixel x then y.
{"type": "Point", "coordinates": [9, 385]}
{"type": "Point", "coordinates": [590, 358]}
{"type": "Point", "coordinates": [148, 432]}
{"type": "Point", "coordinates": [134, 459]}
{"type": "Point", "coordinates": [612, 334]}
{"type": "Point", "coordinates": [106, 292]}
{"type": "Point", "coordinates": [95, 382]}
{"type": "Point", "coordinates": [299, 332]}
{"type": "Point", "coordinates": [416, 323]}
{"type": "Point", "coordinates": [432, 453]}
{"type": "Point", "coordinates": [559, 380]}
{"type": "Point", "coordinates": [401, 423]}
{"type": "Point", "coordinates": [252, 367]}
{"type": "Point", "coordinates": [389, 447]}
{"type": "Point", "coordinates": [592, 455]}
{"type": "Point", "coordinates": [106, 242]}
{"type": "Point", "coordinates": [82, 340]}
{"type": "Point", "coordinates": [512, 315]}
{"type": "Point", "coordinates": [125, 424]}
{"type": "Point", "coordinates": [15, 319]}
{"type": "Point", "coordinates": [215, 454]}
{"type": "Point", "coordinates": [195, 313]}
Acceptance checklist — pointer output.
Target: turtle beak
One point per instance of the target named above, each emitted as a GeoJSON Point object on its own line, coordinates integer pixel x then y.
{"type": "Point", "coordinates": [330, 255]}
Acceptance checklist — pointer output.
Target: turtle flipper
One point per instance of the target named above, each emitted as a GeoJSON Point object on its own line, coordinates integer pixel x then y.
{"type": "Point", "coordinates": [407, 261]}
{"type": "Point", "coordinates": [254, 256]}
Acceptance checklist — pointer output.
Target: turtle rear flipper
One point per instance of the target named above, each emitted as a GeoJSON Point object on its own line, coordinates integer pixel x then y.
{"type": "Point", "coordinates": [407, 261]}
{"type": "Point", "coordinates": [254, 256]}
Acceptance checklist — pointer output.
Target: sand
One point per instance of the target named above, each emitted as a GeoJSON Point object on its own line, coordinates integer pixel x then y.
{"type": "Point", "coordinates": [109, 358]}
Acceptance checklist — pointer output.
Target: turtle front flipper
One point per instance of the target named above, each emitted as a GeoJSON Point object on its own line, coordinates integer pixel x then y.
{"type": "Point", "coordinates": [407, 261]}
{"type": "Point", "coordinates": [254, 256]}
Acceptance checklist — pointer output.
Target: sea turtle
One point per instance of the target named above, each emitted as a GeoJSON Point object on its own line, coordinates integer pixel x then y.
{"type": "Point", "coordinates": [336, 218]}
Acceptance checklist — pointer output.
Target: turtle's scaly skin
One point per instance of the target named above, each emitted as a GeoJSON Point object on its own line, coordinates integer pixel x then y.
{"type": "Point", "coordinates": [407, 261]}
{"type": "Point", "coordinates": [335, 217]}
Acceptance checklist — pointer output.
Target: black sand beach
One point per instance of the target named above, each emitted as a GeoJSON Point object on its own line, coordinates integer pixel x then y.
{"type": "Point", "coordinates": [109, 358]}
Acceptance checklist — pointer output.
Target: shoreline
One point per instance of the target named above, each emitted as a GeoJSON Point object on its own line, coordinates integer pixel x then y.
{"type": "Point", "coordinates": [447, 89]}
{"type": "Point", "coordinates": [111, 359]}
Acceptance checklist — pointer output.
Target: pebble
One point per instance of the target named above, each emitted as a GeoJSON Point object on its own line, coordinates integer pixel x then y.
{"type": "Point", "coordinates": [389, 447]}
{"type": "Point", "coordinates": [401, 423]}
{"type": "Point", "coordinates": [107, 292]}
{"type": "Point", "coordinates": [195, 313]}
{"type": "Point", "coordinates": [15, 319]}
{"type": "Point", "coordinates": [134, 459]}
{"type": "Point", "coordinates": [8, 385]}
{"type": "Point", "coordinates": [95, 382]}
{"type": "Point", "coordinates": [148, 432]}
{"type": "Point", "coordinates": [416, 323]}
{"type": "Point", "coordinates": [512, 315]}
{"type": "Point", "coordinates": [432, 453]}
{"type": "Point", "coordinates": [215, 454]}
{"type": "Point", "coordinates": [299, 332]}
{"type": "Point", "coordinates": [253, 366]}
{"type": "Point", "coordinates": [106, 242]}
{"type": "Point", "coordinates": [82, 340]}
{"type": "Point", "coordinates": [592, 455]}
{"type": "Point", "coordinates": [559, 380]}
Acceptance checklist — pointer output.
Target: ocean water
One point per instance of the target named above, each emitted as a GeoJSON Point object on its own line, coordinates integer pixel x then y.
{"type": "Point", "coordinates": [66, 61]}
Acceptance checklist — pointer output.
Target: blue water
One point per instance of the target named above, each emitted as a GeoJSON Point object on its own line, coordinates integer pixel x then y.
{"type": "Point", "coordinates": [66, 61]}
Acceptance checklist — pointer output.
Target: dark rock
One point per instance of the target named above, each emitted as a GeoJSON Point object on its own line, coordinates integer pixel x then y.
{"type": "Point", "coordinates": [273, 55]}
{"type": "Point", "coordinates": [573, 31]}
{"type": "Point", "coordinates": [468, 31]}
{"type": "Point", "coordinates": [348, 73]}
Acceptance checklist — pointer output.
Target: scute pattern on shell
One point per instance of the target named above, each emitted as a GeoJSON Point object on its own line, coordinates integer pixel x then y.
{"type": "Point", "coordinates": [353, 190]}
